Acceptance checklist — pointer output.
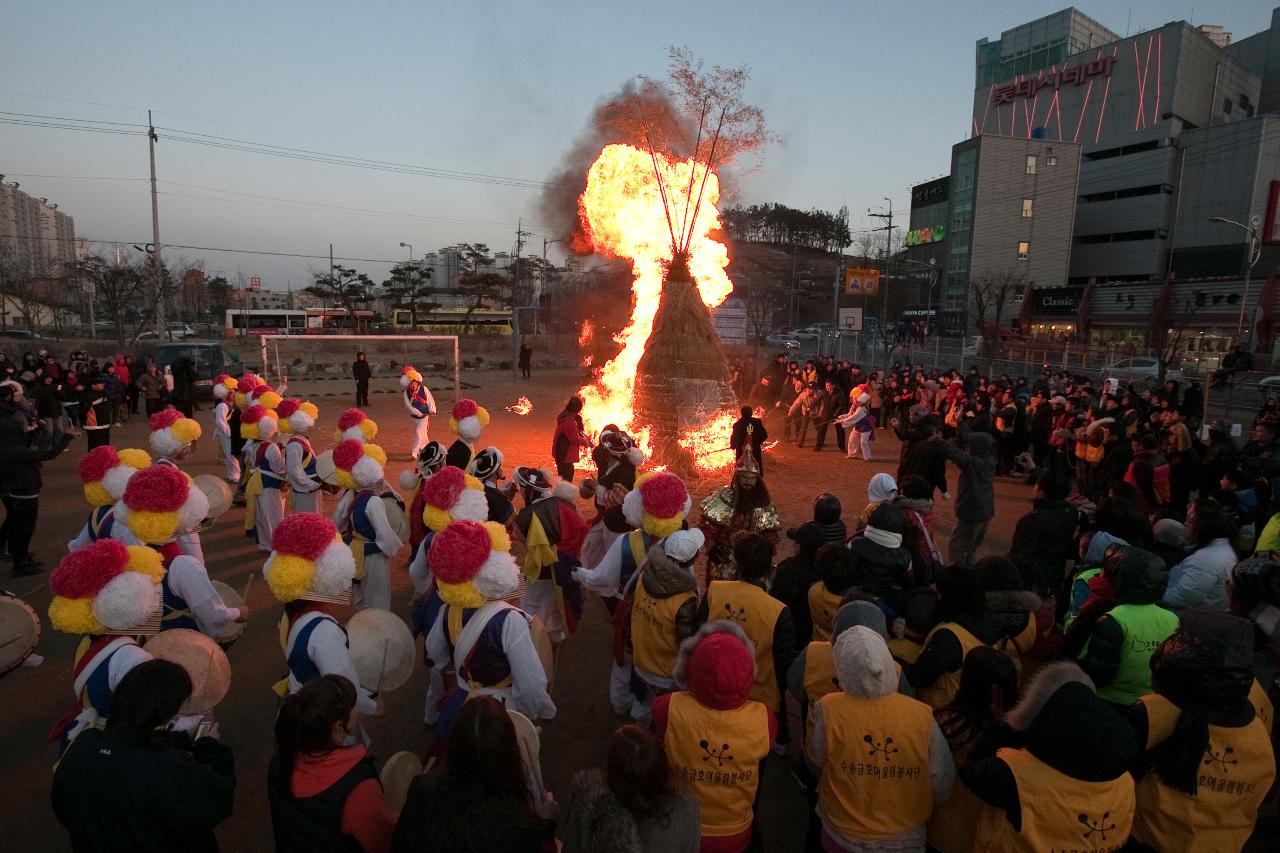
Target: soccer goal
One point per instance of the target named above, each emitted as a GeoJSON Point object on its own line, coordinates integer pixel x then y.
{"type": "Point", "coordinates": [315, 364]}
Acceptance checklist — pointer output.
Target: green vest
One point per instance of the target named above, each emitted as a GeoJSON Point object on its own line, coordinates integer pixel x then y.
{"type": "Point", "coordinates": [1146, 627]}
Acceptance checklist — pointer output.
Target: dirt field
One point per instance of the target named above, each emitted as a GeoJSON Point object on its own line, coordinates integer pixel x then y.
{"type": "Point", "coordinates": [33, 698]}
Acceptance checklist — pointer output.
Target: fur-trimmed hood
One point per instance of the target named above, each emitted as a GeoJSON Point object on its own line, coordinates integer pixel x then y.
{"type": "Point", "coordinates": [663, 577]}
{"type": "Point", "coordinates": [720, 674]}
{"type": "Point", "coordinates": [1067, 726]}
{"type": "Point", "coordinates": [917, 504]}
{"type": "Point", "coordinates": [599, 821]}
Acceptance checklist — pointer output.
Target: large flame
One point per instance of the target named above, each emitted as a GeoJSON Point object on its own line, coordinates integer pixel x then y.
{"type": "Point", "coordinates": [623, 216]}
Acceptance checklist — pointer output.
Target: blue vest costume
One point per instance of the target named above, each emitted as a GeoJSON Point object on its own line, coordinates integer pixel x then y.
{"type": "Point", "coordinates": [270, 479]}
{"type": "Point", "coordinates": [101, 522]}
{"type": "Point", "coordinates": [301, 666]}
{"type": "Point", "coordinates": [418, 402]}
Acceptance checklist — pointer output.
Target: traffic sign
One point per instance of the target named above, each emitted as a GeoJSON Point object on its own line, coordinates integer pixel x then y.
{"type": "Point", "coordinates": [861, 282]}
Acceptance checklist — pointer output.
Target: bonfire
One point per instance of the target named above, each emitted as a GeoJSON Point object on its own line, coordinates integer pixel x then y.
{"type": "Point", "coordinates": [669, 385]}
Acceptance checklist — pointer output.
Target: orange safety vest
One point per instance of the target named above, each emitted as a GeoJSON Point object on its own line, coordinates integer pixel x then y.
{"type": "Point", "coordinates": [941, 692]}
{"type": "Point", "coordinates": [756, 611]}
{"type": "Point", "coordinates": [875, 782]}
{"type": "Point", "coordinates": [1235, 774]}
{"type": "Point", "coordinates": [1058, 812]}
{"type": "Point", "coordinates": [819, 680]}
{"type": "Point", "coordinates": [717, 754]}
{"type": "Point", "coordinates": [823, 605]}
{"type": "Point", "coordinates": [654, 644]}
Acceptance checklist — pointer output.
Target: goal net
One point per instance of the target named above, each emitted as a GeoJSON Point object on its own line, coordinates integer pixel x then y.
{"type": "Point", "coordinates": [316, 364]}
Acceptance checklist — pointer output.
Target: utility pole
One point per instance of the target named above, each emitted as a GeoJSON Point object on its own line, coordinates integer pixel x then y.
{"type": "Point", "coordinates": [515, 281]}
{"type": "Point", "coordinates": [152, 138]}
{"type": "Point", "coordinates": [542, 284]}
{"type": "Point", "coordinates": [888, 252]}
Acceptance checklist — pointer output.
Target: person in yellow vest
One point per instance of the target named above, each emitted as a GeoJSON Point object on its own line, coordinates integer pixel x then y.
{"type": "Point", "coordinates": [971, 725]}
{"type": "Point", "coordinates": [716, 737]}
{"type": "Point", "coordinates": [837, 571]}
{"type": "Point", "coordinates": [1068, 787]}
{"type": "Point", "coordinates": [1118, 652]}
{"type": "Point", "coordinates": [935, 673]}
{"type": "Point", "coordinates": [812, 676]}
{"type": "Point", "coordinates": [765, 619]}
{"type": "Point", "coordinates": [884, 760]}
{"type": "Point", "coordinates": [1208, 759]}
{"type": "Point", "coordinates": [1239, 633]}
{"type": "Point", "coordinates": [664, 610]}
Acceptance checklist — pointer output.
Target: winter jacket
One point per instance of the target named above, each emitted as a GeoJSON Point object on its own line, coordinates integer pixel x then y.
{"type": "Point", "coordinates": [334, 799]}
{"type": "Point", "coordinates": [117, 790]}
{"type": "Point", "coordinates": [1137, 578]}
{"type": "Point", "coordinates": [944, 654]}
{"type": "Point", "coordinates": [975, 493]}
{"type": "Point", "coordinates": [568, 441]}
{"type": "Point", "coordinates": [883, 572]}
{"type": "Point", "coordinates": [791, 584]}
{"type": "Point", "coordinates": [1043, 541]}
{"type": "Point", "coordinates": [510, 829]}
{"type": "Point", "coordinates": [598, 823]}
{"type": "Point", "coordinates": [360, 371]}
{"type": "Point", "coordinates": [151, 385]}
{"type": "Point", "coordinates": [918, 538]}
{"type": "Point", "coordinates": [19, 461]}
{"type": "Point", "coordinates": [923, 458]}
{"type": "Point", "coordinates": [1200, 580]}
{"type": "Point", "coordinates": [47, 402]}
{"type": "Point", "coordinates": [1149, 473]}
{"type": "Point", "coordinates": [662, 578]}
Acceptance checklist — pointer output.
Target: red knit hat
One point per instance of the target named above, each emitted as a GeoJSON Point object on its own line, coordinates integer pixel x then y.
{"type": "Point", "coordinates": [719, 665]}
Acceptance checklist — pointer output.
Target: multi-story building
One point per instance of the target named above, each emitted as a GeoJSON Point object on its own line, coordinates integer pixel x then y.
{"type": "Point", "coordinates": [36, 239]}
{"type": "Point", "coordinates": [1037, 45]}
{"type": "Point", "coordinates": [926, 247]}
{"type": "Point", "coordinates": [1011, 214]}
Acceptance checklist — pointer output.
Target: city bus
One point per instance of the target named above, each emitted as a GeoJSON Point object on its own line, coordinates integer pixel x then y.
{"type": "Point", "coordinates": [260, 321]}
{"type": "Point", "coordinates": [452, 321]}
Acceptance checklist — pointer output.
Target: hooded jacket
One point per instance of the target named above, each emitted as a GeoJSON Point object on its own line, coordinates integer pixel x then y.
{"type": "Point", "coordinates": [1065, 725]}
{"type": "Point", "coordinates": [1043, 541]}
{"type": "Point", "coordinates": [598, 823]}
{"type": "Point", "coordinates": [975, 494]}
{"type": "Point", "coordinates": [362, 814]}
{"type": "Point", "coordinates": [882, 570]}
{"type": "Point", "coordinates": [1200, 580]}
{"type": "Point", "coordinates": [1137, 578]}
{"type": "Point", "coordinates": [663, 577]}
{"type": "Point", "coordinates": [19, 461]}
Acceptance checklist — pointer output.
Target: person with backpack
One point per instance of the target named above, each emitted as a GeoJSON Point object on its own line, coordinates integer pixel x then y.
{"type": "Point", "coordinates": [324, 794]}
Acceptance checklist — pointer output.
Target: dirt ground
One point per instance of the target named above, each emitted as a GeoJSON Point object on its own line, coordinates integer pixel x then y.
{"type": "Point", "coordinates": [33, 698]}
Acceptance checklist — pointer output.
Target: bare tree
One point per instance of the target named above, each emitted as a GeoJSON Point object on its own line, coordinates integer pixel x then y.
{"type": "Point", "coordinates": [989, 294]}
{"type": "Point", "coordinates": [16, 288]}
{"type": "Point", "coordinates": [1170, 330]}
{"type": "Point", "coordinates": [124, 292]}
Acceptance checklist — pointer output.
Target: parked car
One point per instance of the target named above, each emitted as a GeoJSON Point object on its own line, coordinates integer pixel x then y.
{"type": "Point", "coordinates": [177, 332]}
{"type": "Point", "coordinates": [22, 334]}
{"type": "Point", "coordinates": [786, 341]}
{"type": "Point", "coordinates": [812, 333]}
{"type": "Point", "coordinates": [210, 360]}
{"type": "Point", "coordinates": [1143, 368]}
{"type": "Point", "coordinates": [1271, 384]}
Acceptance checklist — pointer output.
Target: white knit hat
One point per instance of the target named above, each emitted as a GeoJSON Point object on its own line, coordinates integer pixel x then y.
{"type": "Point", "coordinates": [864, 666]}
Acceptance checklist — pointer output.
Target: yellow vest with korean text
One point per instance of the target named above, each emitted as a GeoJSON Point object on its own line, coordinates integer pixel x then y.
{"type": "Point", "coordinates": [756, 611]}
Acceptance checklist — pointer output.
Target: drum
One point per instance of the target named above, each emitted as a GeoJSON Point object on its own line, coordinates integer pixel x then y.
{"type": "Point", "coordinates": [204, 661]}
{"type": "Point", "coordinates": [231, 598]}
{"type": "Point", "coordinates": [395, 515]}
{"type": "Point", "coordinates": [382, 649]}
{"type": "Point", "coordinates": [325, 469]}
{"type": "Point", "coordinates": [19, 631]}
{"type": "Point", "coordinates": [398, 772]}
{"type": "Point", "coordinates": [219, 494]}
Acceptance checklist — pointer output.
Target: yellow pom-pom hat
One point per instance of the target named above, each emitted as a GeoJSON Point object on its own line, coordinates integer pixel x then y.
{"type": "Point", "coordinates": [105, 587]}
{"type": "Point", "coordinates": [472, 563]}
{"type": "Point", "coordinates": [296, 417]}
{"type": "Point", "coordinates": [449, 495]}
{"type": "Point", "coordinates": [258, 423]}
{"type": "Point", "coordinates": [308, 559]}
{"type": "Point", "coordinates": [658, 503]}
{"type": "Point", "coordinates": [468, 419]}
{"type": "Point", "coordinates": [105, 472]}
{"type": "Point", "coordinates": [409, 374]}
{"type": "Point", "coordinates": [244, 389]}
{"type": "Point", "coordinates": [358, 466]}
{"type": "Point", "coordinates": [224, 386]}
{"type": "Point", "coordinates": [170, 432]}
{"type": "Point", "coordinates": [355, 424]}
{"type": "Point", "coordinates": [160, 503]}
{"type": "Point", "coordinates": [265, 395]}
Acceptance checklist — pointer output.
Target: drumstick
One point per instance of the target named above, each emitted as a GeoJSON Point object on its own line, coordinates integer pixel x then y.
{"type": "Point", "coordinates": [244, 596]}
{"type": "Point", "coordinates": [382, 669]}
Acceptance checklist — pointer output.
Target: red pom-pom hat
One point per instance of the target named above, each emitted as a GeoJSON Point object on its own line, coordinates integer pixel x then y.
{"type": "Point", "coordinates": [459, 551]}
{"type": "Point", "coordinates": [83, 573]}
{"type": "Point", "coordinates": [95, 464]}
{"type": "Point", "coordinates": [160, 488]}
{"type": "Point", "coordinates": [303, 534]}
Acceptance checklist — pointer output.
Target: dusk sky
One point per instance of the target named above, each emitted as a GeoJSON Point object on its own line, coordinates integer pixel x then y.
{"type": "Point", "coordinates": [867, 99]}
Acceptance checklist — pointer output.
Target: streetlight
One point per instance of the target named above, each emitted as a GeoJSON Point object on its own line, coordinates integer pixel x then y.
{"type": "Point", "coordinates": [1250, 257]}
{"type": "Point", "coordinates": [413, 293]}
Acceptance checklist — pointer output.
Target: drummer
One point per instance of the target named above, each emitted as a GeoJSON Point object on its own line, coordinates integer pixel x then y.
{"type": "Point", "coordinates": [552, 530]}
{"type": "Point", "coordinates": [224, 388]}
{"type": "Point", "coordinates": [243, 399]}
{"type": "Point", "coordinates": [309, 571]}
{"type": "Point", "coordinates": [104, 472]}
{"type": "Point", "coordinates": [487, 468]}
{"type": "Point", "coordinates": [159, 505]}
{"type": "Point", "coordinates": [488, 640]}
{"type": "Point", "coordinates": [172, 440]}
{"type": "Point", "coordinates": [362, 517]}
{"type": "Point", "coordinates": [430, 460]}
{"type": "Point", "coordinates": [264, 503]}
{"type": "Point", "coordinates": [104, 592]}
{"type": "Point", "coordinates": [296, 418]}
